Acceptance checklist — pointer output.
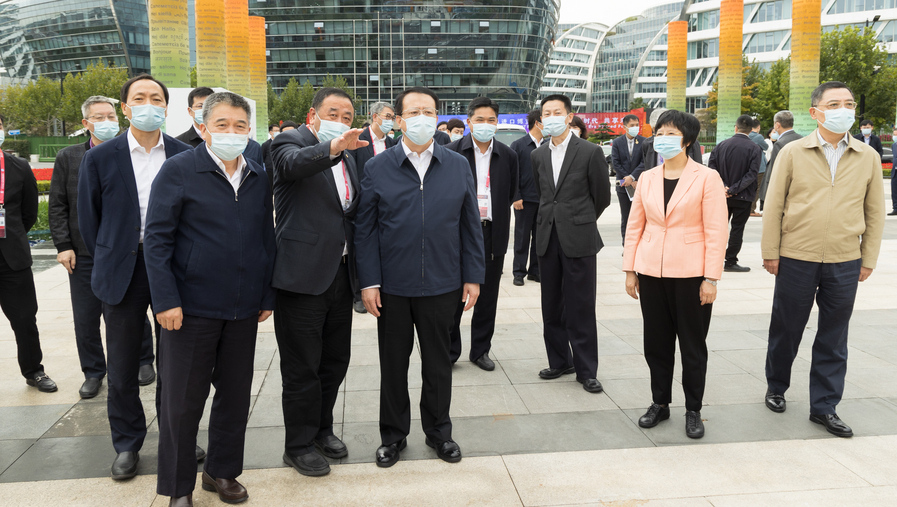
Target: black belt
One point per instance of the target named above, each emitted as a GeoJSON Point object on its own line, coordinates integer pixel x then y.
{"type": "Point", "coordinates": [485, 223]}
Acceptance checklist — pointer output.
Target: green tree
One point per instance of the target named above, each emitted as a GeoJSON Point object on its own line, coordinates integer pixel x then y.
{"type": "Point", "coordinates": [97, 79]}
{"type": "Point", "coordinates": [638, 103]}
{"type": "Point", "coordinates": [341, 83]}
{"type": "Point", "coordinates": [193, 77]}
{"type": "Point", "coordinates": [273, 105]}
{"type": "Point", "coordinates": [772, 93]}
{"type": "Point", "coordinates": [603, 132]}
{"type": "Point", "coordinates": [751, 76]}
{"type": "Point", "coordinates": [35, 106]}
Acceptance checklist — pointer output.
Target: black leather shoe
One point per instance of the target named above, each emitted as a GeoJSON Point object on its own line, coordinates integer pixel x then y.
{"type": "Point", "coordinates": [654, 415]}
{"type": "Point", "coordinates": [518, 281]}
{"type": "Point", "coordinates": [485, 363]}
{"type": "Point", "coordinates": [591, 385]}
{"type": "Point", "coordinates": [447, 451]}
{"type": "Point", "coordinates": [229, 490]}
{"type": "Point", "coordinates": [387, 455]}
{"type": "Point", "coordinates": [694, 426]}
{"type": "Point", "coordinates": [892, 213]}
{"type": "Point", "coordinates": [181, 501]}
{"type": "Point", "coordinates": [311, 464]}
{"type": "Point", "coordinates": [736, 268]}
{"type": "Point", "coordinates": [331, 447]}
{"type": "Point", "coordinates": [146, 375]}
{"type": "Point", "coordinates": [359, 307]}
{"type": "Point", "coordinates": [42, 382]}
{"type": "Point", "coordinates": [535, 278]}
{"type": "Point", "coordinates": [200, 454]}
{"type": "Point", "coordinates": [553, 373]}
{"type": "Point", "coordinates": [125, 465]}
{"type": "Point", "coordinates": [833, 424]}
{"type": "Point", "coordinates": [775, 402]}
{"type": "Point", "coordinates": [90, 388]}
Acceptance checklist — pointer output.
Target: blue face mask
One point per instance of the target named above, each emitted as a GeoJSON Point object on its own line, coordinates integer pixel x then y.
{"type": "Point", "coordinates": [330, 130]}
{"type": "Point", "coordinates": [386, 125]}
{"type": "Point", "coordinates": [866, 132]}
{"type": "Point", "coordinates": [105, 130]}
{"type": "Point", "coordinates": [554, 125]}
{"type": "Point", "coordinates": [838, 120]}
{"type": "Point", "coordinates": [147, 117]}
{"type": "Point", "coordinates": [228, 146]}
{"type": "Point", "coordinates": [197, 116]}
{"type": "Point", "coordinates": [455, 137]}
{"type": "Point", "coordinates": [420, 129]}
{"type": "Point", "coordinates": [483, 132]}
{"type": "Point", "coordinates": [668, 146]}
{"type": "Point", "coordinates": [633, 131]}
{"type": "Point", "coordinates": [774, 135]}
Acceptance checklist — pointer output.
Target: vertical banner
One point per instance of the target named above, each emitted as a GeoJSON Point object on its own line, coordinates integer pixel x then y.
{"type": "Point", "coordinates": [211, 44]}
{"type": "Point", "coordinates": [236, 21]}
{"type": "Point", "coordinates": [258, 75]}
{"type": "Point", "coordinates": [677, 53]}
{"type": "Point", "coordinates": [169, 42]}
{"type": "Point", "coordinates": [731, 36]}
{"type": "Point", "coordinates": [805, 45]}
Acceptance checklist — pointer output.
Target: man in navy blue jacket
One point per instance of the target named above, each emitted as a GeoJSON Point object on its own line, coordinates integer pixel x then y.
{"type": "Point", "coordinates": [209, 258]}
{"type": "Point", "coordinates": [623, 154]}
{"type": "Point", "coordinates": [526, 202]}
{"type": "Point", "coordinates": [419, 247]}
{"type": "Point", "coordinates": [114, 183]}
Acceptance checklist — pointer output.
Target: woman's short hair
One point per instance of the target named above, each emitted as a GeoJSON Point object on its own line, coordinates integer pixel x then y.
{"type": "Point", "coordinates": [686, 123]}
{"type": "Point", "coordinates": [581, 125]}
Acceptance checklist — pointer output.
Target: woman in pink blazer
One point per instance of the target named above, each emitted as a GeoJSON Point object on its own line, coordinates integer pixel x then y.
{"type": "Point", "coordinates": [674, 254]}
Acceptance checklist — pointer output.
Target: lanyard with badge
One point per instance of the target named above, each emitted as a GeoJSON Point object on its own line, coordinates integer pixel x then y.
{"type": "Point", "coordinates": [2, 195]}
{"type": "Point", "coordinates": [483, 199]}
{"type": "Point", "coordinates": [373, 138]}
{"type": "Point", "coordinates": [346, 181]}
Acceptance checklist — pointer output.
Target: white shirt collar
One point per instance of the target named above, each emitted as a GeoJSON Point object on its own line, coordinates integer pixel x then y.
{"type": "Point", "coordinates": [133, 144]}
{"type": "Point", "coordinates": [785, 132]}
{"type": "Point", "coordinates": [408, 151]}
{"type": "Point", "coordinates": [240, 165]}
{"type": "Point", "coordinates": [538, 142]}
{"type": "Point", "coordinates": [476, 148]}
{"type": "Point", "coordinates": [374, 136]}
{"type": "Point", "coordinates": [563, 145]}
{"type": "Point", "coordinates": [196, 128]}
{"type": "Point", "coordinates": [844, 140]}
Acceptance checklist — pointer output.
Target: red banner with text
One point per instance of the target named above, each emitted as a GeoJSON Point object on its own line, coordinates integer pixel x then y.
{"type": "Point", "coordinates": [614, 121]}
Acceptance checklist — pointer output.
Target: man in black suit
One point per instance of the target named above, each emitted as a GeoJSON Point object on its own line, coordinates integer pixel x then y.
{"type": "Point", "coordinates": [868, 137]}
{"type": "Point", "coordinates": [18, 298]}
{"type": "Point", "coordinates": [442, 138]}
{"type": "Point", "coordinates": [315, 197]}
{"type": "Point", "coordinates": [574, 189]}
{"type": "Point", "coordinates": [495, 172]}
{"type": "Point", "coordinates": [273, 131]}
{"type": "Point", "coordinates": [783, 133]}
{"type": "Point", "coordinates": [193, 137]}
{"type": "Point", "coordinates": [526, 202]}
{"type": "Point", "coordinates": [269, 161]}
{"type": "Point", "coordinates": [623, 153]}
{"type": "Point", "coordinates": [738, 161]}
{"type": "Point", "coordinates": [113, 194]}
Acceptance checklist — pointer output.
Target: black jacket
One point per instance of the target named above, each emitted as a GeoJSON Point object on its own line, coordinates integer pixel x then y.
{"type": "Point", "coordinates": [20, 204]}
{"type": "Point", "coordinates": [737, 160]}
{"type": "Point", "coordinates": [777, 146]}
{"type": "Point", "coordinates": [874, 142]}
{"type": "Point", "coordinates": [647, 153]}
{"type": "Point", "coordinates": [526, 188]}
{"type": "Point", "coordinates": [252, 152]}
{"type": "Point", "coordinates": [575, 203]}
{"type": "Point", "coordinates": [619, 153]}
{"type": "Point", "coordinates": [311, 228]}
{"type": "Point", "coordinates": [503, 175]}
{"type": "Point", "coordinates": [442, 138]}
{"type": "Point", "coordinates": [63, 202]}
{"type": "Point", "coordinates": [362, 155]}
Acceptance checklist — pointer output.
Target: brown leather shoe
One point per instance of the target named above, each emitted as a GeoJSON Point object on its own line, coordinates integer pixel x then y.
{"type": "Point", "coordinates": [181, 501]}
{"type": "Point", "coordinates": [229, 490]}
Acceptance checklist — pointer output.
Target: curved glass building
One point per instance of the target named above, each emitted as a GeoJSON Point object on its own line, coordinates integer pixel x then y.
{"type": "Point", "coordinates": [459, 48]}
{"type": "Point", "coordinates": [572, 64]}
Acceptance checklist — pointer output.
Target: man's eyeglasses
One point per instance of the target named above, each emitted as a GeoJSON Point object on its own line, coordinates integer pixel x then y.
{"type": "Point", "coordinates": [110, 117]}
{"type": "Point", "coordinates": [837, 105]}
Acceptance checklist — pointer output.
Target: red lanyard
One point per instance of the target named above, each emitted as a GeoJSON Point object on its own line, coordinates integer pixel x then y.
{"type": "Point", "coordinates": [346, 181]}
{"type": "Point", "coordinates": [373, 144]}
{"type": "Point", "coordinates": [2, 178]}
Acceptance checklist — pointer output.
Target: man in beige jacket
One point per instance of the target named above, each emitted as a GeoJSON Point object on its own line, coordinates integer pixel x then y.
{"type": "Point", "coordinates": [822, 225]}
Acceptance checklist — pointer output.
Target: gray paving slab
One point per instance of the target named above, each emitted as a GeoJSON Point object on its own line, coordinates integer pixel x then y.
{"type": "Point", "coordinates": [10, 450]}
{"type": "Point", "coordinates": [27, 422]}
{"type": "Point", "coordinates": [265, 448]}
{"type": "Point", "coordinates": [263, 358]}
{"type": "Point", "coordinates": [86, 419]}
{"type": "Point", "coordinates": [526, 371]}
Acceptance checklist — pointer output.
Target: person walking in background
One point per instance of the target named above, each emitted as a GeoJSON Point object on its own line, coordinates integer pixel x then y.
{"type": "Point", "coordinates": [761, 142]}
{"type": "Point", "coordinates": [455, 128]}
{"type": "Point", "coordinates": [783, 133]}
{"type": "Point", "coordinates": [623, 153]}
{"type": "Point", "coordinates": [893, 179]}
{"type": "Point", "coordinates": [526, 203]}
{"type": "Point", "coordinates": [578, 127]}
{"type": "Point", "coordinates": [822, 232]}
{"type": "Point", "coordinates": [737, 160]}
{"type": "Point", "coordinates": [673, 259]}
{"type": "Point", "coordinates": [871, 140]}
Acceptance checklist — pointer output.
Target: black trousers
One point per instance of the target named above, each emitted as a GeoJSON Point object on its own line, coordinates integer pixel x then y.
{"type": "Point", "coordinates": [739, 212]}
{"type": "Point", "coordinates": [672, 307]}
{"type": "Point", "coordinates": [314, 335]}
{"type": "Point", "coordinates": [204, 352]}
{"type": "Point", "coordinates": [399, 317]}
{"type": "Point", "coordinates": [834, 288]}
{"type": "Point", "coordinates": [87, 310]}
{"type": "Point", "coordinates": [893, 190]}
{"type": "Point", "coordinates": [625, 206]}
{"type": "Point", "coordinates": [525, 240]}
{"type": "Point", "coordinates": [18, 300]}
{"type": "Point", "coordinates": [569, 288]}
{"type": "Point", "coordinates": [125, 324]}
{"type": "Point", "coordinates": [482, 326]}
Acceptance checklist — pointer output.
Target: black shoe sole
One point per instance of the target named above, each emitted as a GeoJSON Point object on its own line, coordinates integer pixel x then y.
{"type": "Point", "coordinates": [87, 396]}
{"type": "Point", "coordinates": [124, 477]}
{"type": "Point", "coordinates": [304, 471]}
{"type": "Point", "coordinates": [386, 464]}
{"type": "Point", "coordinates": [143, 383]}
{"type": "Point", "coordinates": [213, 489]}
{"type": "Point", "coordinates": [775, 409]}
{"type": "Point", "coordinates": [329, 454]}
{"type": "Point", "coordinates": [830, 430]}
{"type": "Point", "coordinates": [484, 367]}
{"type": "Point", "coordinates": [656, 422]}
{"type": "Point", "coordinates": [440, 455]}
{"type": "Point", "coordinates": [39, 388]}
{"type": "Point", "coordinates": [694, 435]}
{"type": "Point", "coordinates": [567, 371]}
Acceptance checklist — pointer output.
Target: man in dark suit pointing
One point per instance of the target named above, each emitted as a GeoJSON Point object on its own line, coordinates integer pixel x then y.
{"type": "Point", "coordinates": [623, 153]}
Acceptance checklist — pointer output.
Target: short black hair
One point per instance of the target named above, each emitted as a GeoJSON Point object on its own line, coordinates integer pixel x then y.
{"type": "Point", "coordinates": [288, 123]}
{"type": "Point", "coordinates": [125, 88]}
{"type": "Point", "coordinates": [824, 87]}
{"type": "Point", "coordinates": [563, 98]}
{"type": "Point", "coordinates": [533, 117]}
{"type": "Point", "coordinates": [417, 89]}
{"type": "Point", "coordinates": [629, 117]}
{"type": "Point", "coordinates": [273, 126]}
{"type": "Point", "coordinates": [323, 93]}
{"type": "Point", "coordinates": [581, 125]}
{"type": "Point", "coordinates": [686, 123]}
{"type": "Point", "coordinates": [756, 124]}
{"type": "Point", "coordinates": [481, 102]}
{"type": "Point", "coordinates": [454, 123]}
{"type": "Point", "coordinates": [744, 124]}
{"type": "Point", "coordinates": [441, 124]}
{"type": "Point", "coordinates": [866, 122]}
{"type": "Point", "coordinates": [201, 92]}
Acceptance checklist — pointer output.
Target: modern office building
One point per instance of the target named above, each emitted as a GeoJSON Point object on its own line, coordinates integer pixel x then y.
{"type": "Point", "coordinates": [572, 64]}
{"type": "Point", "coordinates": [54, 37]}
{"type": "Point", "coordinates": [459, 49]}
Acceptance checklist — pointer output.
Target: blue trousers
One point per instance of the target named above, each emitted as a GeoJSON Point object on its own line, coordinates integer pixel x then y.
{"type": "Point", "coordinates": [834, 288]}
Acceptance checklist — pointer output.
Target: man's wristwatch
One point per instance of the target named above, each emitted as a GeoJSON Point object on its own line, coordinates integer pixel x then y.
{"type": "Point", "coordinates": [711, 282]}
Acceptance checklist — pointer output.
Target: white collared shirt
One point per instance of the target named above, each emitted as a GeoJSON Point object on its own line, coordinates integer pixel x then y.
{"type": "Point", "coordinates": [483, 161]}
{"type": "Point", "coordinates": [343, 184]}
{"type": "Point", "coordinates": [557, 156]}
{"type": "Point", "coordinates": [420, 162]}
{"type": "Point", "coordinates": [379, 143]}
{"type": "Point", "coordinates": [195, 127]}
{"type": "Point", "coordinates": [238, 174]}
{"type": "Point", "coordinates": [538, 142]}
{"type": "Point", "coordinates": [833, 154]}
{"type": "Point", "coordinates": [146, 167]}
{"type": "Point", "coordinates": [868, 138]}
{"type": "Point", "coordinates": [631, 142]}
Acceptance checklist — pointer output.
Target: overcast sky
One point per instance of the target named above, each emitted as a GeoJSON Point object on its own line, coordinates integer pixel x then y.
{"type": "Point", "coordinates": [608, 12]}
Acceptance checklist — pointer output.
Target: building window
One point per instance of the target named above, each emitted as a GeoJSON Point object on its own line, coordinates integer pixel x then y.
{"type": "Point", "coordinates": [703, 21]}
{"type": "Point", "coordinates": [842, 6]}
{"type": "Point", "coordinates": [765, 42]}
{"type": "Point", "coordinates": [773, 11]}
{"type": "Point", "coordinates": [703, 49]}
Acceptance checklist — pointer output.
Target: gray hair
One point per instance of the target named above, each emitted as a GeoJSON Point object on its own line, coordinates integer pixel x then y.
{"type": "Point", "coordinates": [785, 119]}
{"type": "Point", "coordinates": [96, 99]}
{"type": "Point", "coordinates": [378, 107]}
{"type": "Point", "coordinates": [228, 99]}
